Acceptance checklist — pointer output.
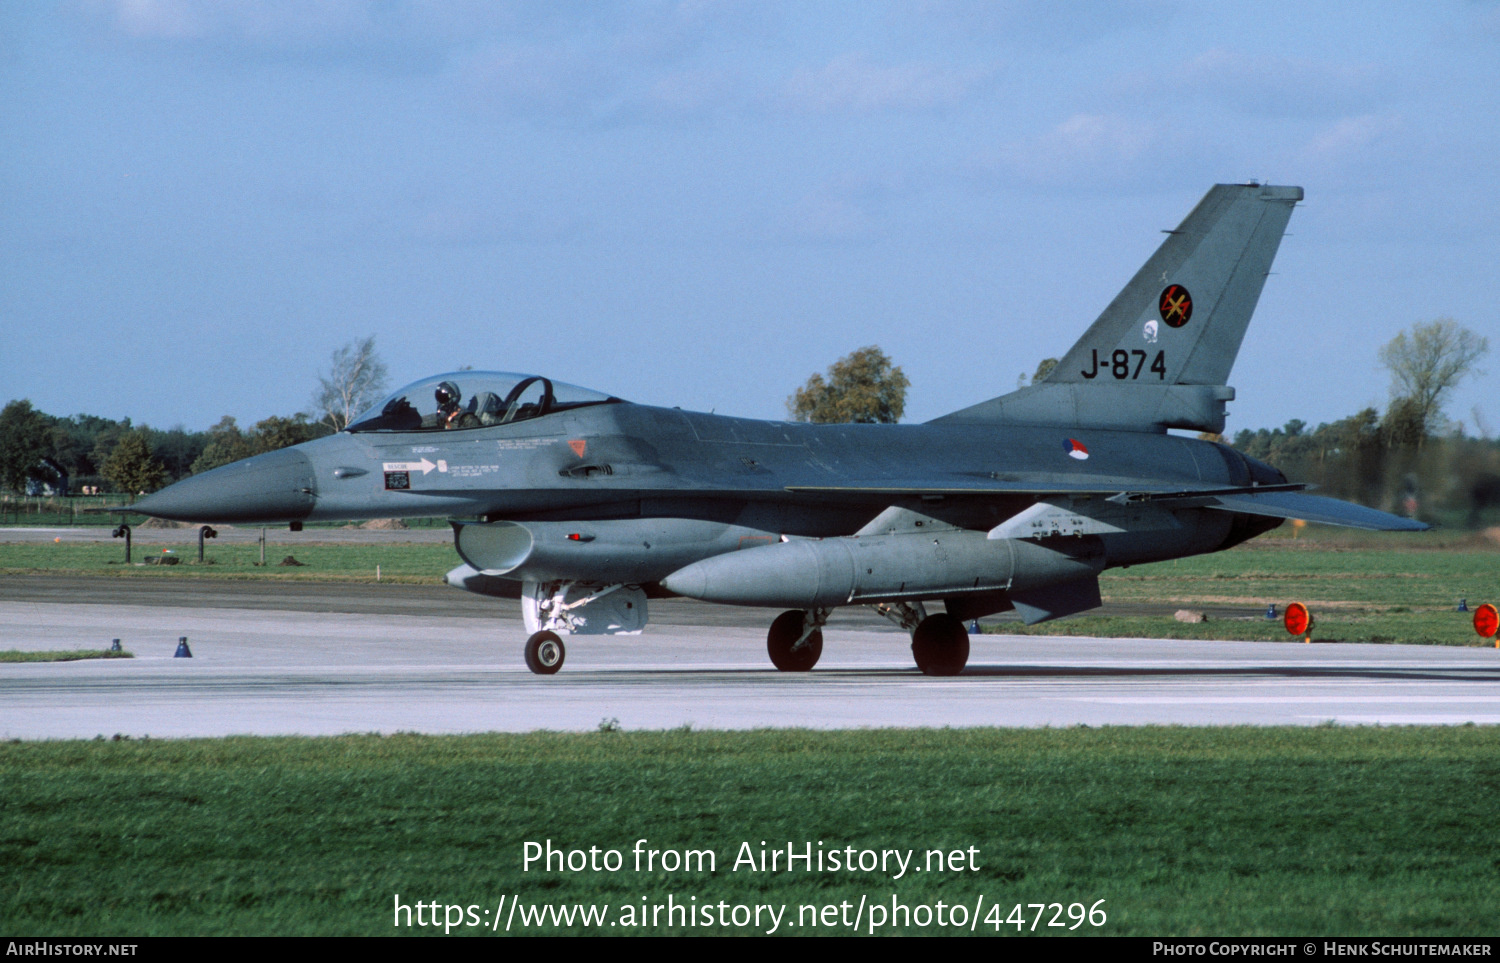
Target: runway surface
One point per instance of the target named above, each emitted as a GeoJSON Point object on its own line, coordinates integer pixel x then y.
{"type": "Point", "coordinates": [316, 659]}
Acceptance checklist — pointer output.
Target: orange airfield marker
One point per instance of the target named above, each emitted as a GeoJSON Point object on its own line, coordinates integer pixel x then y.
{"type": "Point", "coordinates": [1299, 621]}
{"type": "Point", "coordinates": [1487, 622]}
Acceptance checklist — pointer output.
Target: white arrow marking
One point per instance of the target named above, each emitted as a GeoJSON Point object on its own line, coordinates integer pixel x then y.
{"type": "Point", "coordinates": [424, 466]}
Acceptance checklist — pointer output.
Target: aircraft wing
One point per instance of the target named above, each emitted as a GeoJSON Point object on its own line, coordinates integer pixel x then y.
{"type": "Point", "coordinates": [1315, 508]}
{"type": "Point", "coordinates": [1275, 501]}
{"type": "Point", "coordinates": [1113, 488]}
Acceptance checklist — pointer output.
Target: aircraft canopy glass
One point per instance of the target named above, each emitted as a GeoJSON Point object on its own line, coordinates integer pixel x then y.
{"type": "Point", "coordinates": [473, 399]}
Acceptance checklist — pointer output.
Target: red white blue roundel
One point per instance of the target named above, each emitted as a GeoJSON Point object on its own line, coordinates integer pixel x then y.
{"type": "Point", "coordinates": [1075, 449]}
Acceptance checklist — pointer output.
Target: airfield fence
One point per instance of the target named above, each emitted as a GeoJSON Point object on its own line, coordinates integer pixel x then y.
{"type": "Point", "coordinates": [49, 511]}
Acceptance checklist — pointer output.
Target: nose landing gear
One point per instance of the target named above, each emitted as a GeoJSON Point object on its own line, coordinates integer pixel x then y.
{"type": "Point", "coordinates": [545, 653]}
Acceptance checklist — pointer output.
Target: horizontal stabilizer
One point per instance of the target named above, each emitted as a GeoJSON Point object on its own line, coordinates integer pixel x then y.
{"type": "Point", "coordinates": [1315, 508]}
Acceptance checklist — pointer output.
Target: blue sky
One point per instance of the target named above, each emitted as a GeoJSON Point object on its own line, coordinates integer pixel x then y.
{"type": "Point", "coordinates": [701, 203]}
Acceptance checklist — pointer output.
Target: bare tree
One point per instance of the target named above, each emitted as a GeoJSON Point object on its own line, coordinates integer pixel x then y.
{"type": "Point", "coordinates": [357, 380]}
{"type": "Point", "coordinates": [1428, 363]}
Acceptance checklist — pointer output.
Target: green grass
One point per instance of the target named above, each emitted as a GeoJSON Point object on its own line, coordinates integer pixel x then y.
{"type": "Point", "coordinates": [1182, 831]}
{"type": "Point", "coordinates": [1258, 576]}
{"type": "Point", "coordinates": [1431, 626]}
{"type": "Point", "coordinates": [398, 561]}
{"type": "Point", "coordinates": [63, 655]}
{"type": "Point", "coordinates": [1360, 586]}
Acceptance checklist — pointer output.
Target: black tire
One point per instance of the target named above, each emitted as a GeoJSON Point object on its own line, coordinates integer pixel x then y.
{"type": "Point", "coordinates": [545, 653]}
{"type": "Point", "coordinates": [784, 633]}
{"type": "Point", "coordinates": [940, 645]}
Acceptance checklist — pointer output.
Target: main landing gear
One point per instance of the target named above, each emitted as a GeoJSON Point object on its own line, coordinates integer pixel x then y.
{"type": "Point", "coordinates": [939, 642]}
{"type": "Point", "coordinates": [796, 639]}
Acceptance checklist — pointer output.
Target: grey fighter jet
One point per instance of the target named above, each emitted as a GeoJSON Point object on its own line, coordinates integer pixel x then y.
{"type": "Point", "coordinates": [586, 506]}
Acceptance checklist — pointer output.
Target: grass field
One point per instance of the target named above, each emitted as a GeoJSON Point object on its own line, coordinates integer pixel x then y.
{"type": "Point", "coordinates": [63, 655]}
{"type": "Point", "coordinates": [319, 561]}
{"type": "Point", "coordinates": [1361, 587]}
{"type": "Point", "coordinates": [1221, 831]}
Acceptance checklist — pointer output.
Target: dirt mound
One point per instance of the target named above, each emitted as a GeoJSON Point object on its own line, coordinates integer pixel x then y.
{"type": "Point", "coordinates": [1483, 540]}
{"type": "Point", "coordinates": [163, 523]}
{"type": "Point", "coordinates": [168, 523]}
{"type": "Point", "coordinates": [384, 524]}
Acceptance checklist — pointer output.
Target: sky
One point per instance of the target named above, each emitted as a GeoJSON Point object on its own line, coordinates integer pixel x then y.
{"type": "Point", "coordinates": [701, 203]}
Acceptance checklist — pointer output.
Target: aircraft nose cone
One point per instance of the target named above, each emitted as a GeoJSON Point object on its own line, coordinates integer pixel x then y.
{"type": "Point", "coordinates": [275, 487]}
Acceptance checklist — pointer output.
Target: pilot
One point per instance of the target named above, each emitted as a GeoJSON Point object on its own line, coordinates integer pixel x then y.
{"type": "Point", "coordinates": [449, 414]}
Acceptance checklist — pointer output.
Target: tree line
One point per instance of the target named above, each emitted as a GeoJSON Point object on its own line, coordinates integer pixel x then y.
{"type": "Point", "coordinates": [39, 451]}
{"type": "Point", "coordinates": [1410, 459]}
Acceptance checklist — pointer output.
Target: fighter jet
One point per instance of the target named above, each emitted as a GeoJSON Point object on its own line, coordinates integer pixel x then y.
{"type": "Point", "coordinates": [586, 505]}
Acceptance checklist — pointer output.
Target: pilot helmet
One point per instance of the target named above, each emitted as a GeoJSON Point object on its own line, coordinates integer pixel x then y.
{"type": "Point", "coordinates": [447, 394]}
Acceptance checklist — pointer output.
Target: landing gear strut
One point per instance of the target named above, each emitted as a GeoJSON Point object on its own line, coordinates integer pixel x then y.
{"type": "Point", "coordinates": [940, 645]}
{"type": "Point", "coordinates": [796, 639]}
{"type": "Point", "coordinates": [545, 653]}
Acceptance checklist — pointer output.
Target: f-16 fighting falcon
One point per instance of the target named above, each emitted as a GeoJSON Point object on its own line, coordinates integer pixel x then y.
{"type": "Point", "coordinates": [586, 506]}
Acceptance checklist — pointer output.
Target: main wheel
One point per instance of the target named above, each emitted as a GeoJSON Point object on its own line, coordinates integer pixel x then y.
{"type": "Point", "coordinates": [940, 645]}
{"type": "Point", "coordinates": [785, 632]}
{"type": "Point", "coordinates": [545, 653]}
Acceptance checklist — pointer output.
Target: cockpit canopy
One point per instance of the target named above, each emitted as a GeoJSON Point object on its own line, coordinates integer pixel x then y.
{"type": "Point", "coordinates": [473, 399]}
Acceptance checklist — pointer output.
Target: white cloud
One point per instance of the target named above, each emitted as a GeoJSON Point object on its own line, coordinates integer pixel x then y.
{"type": "Point", "coordinates": [852, 83]}
{"type": "Point", "coordinates": [1098, 138]}
{"type": "Point", "coordinates": [174, 19]}
{"type": "Point", "coordinates": [559, 84]}
{"type": "Point", "coordinates": [851, 205]}
{"type": "Point", "coordinates": [550, 80]}
{"type": "Point", "coordinates": [280, 21]}
{"type": "Point", "coordinates": [397, 37]}
{"type": "Point", "coordinates": [1265, 85]}
{"type": "Point", "coordinates": [581, 57]}
{"type": "Point", "coordinates": [1046, 24]}
{"type": "Point", "coordinates": [828, 217]}
{"type": "Point", "coordinates": [1487, 22]}
{"type": "Point", "coordinates": [489, 224]}
{"type": "Point", "coordinates": [691, 91]}
{"type": "Point", "coordinates": [1348, 138]}
{"type": "Point", "coordinates": [1096, 149]}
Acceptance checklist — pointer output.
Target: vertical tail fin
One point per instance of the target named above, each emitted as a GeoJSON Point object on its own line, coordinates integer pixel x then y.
{"type": "Point", "coordinates": [1159, 356]}
{"type": "Point", "coordinates": [1191, 302]}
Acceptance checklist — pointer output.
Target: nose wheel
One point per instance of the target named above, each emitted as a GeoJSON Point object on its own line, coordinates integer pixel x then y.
{"type": "Point", "coordinates": [940, 644]}
{"type": "Point", "coordinates": [545, 653]}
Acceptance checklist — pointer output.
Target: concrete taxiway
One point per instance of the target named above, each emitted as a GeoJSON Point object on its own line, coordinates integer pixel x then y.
{"type": "Point", "coordinates": [315, 659]}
